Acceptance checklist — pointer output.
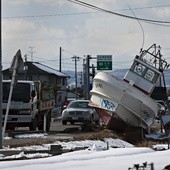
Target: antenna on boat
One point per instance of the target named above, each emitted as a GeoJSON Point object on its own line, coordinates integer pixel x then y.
{"type": "Point", "coordinates": [143, 35]}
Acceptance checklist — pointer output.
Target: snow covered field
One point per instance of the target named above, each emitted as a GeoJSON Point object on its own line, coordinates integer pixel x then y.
{"type": "Point", "coordinates": [120, 155]}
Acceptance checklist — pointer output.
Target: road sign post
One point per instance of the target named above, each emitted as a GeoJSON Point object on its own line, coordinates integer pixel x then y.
{"type": "Point", "coordinates": [104, 62]}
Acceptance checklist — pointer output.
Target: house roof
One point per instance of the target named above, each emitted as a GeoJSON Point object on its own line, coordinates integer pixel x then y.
{"type": "Point", "coordinates": [44, 68]}
{"type": "Point", "coordinates": [48, 69]}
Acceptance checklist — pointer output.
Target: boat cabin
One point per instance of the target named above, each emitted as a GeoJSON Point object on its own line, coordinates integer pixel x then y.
{"type": "Point", "coordinates": [143, 75]}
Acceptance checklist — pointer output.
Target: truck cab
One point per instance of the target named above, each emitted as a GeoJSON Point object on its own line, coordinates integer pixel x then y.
{"type": "Point", "coordinates": [30, 105]}
{"type": "Point", "coordinates": [23, 104]}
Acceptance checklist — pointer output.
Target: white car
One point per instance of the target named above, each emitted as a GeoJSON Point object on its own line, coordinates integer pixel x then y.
{"type": "Point", "coordinates": [79, 111]}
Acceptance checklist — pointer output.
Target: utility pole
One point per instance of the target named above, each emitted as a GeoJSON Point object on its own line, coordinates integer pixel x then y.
{"type": "Point", "coordinates": [60, 60]}
{"type": "Point", "coordinates": [86, 76]}
{"type": "Point", "coordinates": [76, 58]}
{"type": "Point", "coordinates": [17, 64]}
{"type": "Point", "coordinates": [31, 53]}
{"type": "Point", "coordinates": [93, 71]}
{"type": "Point", "coordinates": [26, 67]}
{"type": "Point", "coordinates": [81, 79]}
{"type": "Point", "coordinates": [0, 88]}
{"type": "Point", "coordinates": [84, 79]}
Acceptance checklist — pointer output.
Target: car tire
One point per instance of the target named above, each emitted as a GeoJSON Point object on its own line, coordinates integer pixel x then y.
{"type": "Point", "coordinates": [10, 127]}
{"type": "Point", "coordinates": [33, 124]}
{"type": "Point", "coordinates": [72, 122]}
{"type": "Point", "coordinates": [97, 122]}
{"type": "Point", "coordinates": [64, 122]}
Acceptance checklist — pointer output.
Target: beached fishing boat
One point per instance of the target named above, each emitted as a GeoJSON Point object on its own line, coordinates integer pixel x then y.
{"type": "Point", "coordinates": [127, 102]}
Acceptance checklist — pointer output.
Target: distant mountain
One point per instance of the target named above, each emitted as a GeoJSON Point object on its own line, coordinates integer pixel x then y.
{"type": "Point", "coordinates": [167, 77]}
{"type": "Point", "coordinates": [120, 73]}
{"type": "Point", "coordinates": [72, 77]}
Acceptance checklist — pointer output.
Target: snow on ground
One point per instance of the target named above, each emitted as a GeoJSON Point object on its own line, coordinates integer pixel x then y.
{"type": "Point", "coordinates": [35, 135]}
{"type": "Point", "coordinates": [120, 155]}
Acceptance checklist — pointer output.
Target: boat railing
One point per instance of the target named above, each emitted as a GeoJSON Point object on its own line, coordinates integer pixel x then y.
{"type": "Point", "coordinates": [157, 60]}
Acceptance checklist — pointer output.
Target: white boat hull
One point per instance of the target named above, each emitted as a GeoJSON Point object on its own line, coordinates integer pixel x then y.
{"type": "Point", "coordinates": [116, 99]}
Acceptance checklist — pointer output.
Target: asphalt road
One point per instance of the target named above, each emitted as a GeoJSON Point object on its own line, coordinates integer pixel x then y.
{"type": "Point", "coordinates": [57, 132]}
{"type": "Point", "coordinates": [57, 127]}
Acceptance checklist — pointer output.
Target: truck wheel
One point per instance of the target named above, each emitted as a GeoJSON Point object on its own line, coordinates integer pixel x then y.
{"type": "Point", "coordinates": [97, 122]}
{"type": "Point", "coordinates": [40, 126]}
{"type": "Point", "coordinates": [33, 124]}
{"type": "Point", "coordinates": [48, 125]}
{"type": "Point", "coordinates": [10, 127]}
{"type": "Point", "coordinates": [72, 122]}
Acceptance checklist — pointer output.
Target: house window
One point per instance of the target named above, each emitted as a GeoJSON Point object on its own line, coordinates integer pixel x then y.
{"type": "Point", "coordinates": [58, 80]}
{"type": "Point", "coordinates": [64, 81]}
{"type": "Point", "coordinates": [30, 77]}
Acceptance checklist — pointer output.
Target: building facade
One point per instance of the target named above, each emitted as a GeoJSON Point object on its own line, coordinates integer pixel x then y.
{"type": "Point", "coordinates": [36, 71]}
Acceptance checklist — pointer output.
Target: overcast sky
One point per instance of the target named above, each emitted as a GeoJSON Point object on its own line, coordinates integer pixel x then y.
{"type": "Point", "coordinates": [44, 26]}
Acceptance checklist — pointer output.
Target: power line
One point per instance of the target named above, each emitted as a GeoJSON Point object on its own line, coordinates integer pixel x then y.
{"type": "Point", "coordinates": [143, 34]}
{"type": "Point", "coordinates": [48, 15]}
{"type": "Point", "coordinates": [148, 7]}
{"type": "Point", "coordinates": [114, 13]}
{"type": "Point", "coordinates": [79, 13]}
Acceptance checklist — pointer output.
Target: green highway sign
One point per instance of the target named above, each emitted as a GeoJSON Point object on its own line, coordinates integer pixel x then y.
{"type": "Point", "coordinates": [104, 62]}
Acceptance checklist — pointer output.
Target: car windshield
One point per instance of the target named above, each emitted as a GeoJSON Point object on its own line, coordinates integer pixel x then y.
{"type": "Point", "coordinates": [78, 104]}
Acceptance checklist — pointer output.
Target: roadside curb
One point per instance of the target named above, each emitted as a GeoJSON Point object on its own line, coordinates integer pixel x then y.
{"type": "Point", "coordinates": [54, 150]}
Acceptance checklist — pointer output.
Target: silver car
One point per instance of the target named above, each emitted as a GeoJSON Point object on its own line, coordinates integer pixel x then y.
{"type": "Point", "coordinates": [79, 111]}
